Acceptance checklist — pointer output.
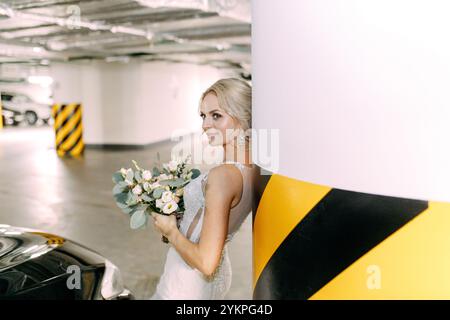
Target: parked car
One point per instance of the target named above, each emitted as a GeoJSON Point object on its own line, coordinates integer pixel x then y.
{"type": "Point", "coordinates": [39, 265]}
{"type": "Point", "coordinates": [31, 110]}
{"type": "Point", "coordinates": [11, 117]}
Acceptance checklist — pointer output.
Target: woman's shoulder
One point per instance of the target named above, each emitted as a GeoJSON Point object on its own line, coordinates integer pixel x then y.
{"type": "Point", "coordinates": [224, 171]}
{"type": "Point", "coordinates": [226, 175]}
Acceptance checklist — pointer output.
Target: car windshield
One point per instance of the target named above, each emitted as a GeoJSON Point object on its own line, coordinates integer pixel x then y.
{"type": "Point", "coordinates": [21, 98]}
{"type": "Point", "coordinates": [15, 97]}
{"type": "Point", "coordinates": [6, 97]}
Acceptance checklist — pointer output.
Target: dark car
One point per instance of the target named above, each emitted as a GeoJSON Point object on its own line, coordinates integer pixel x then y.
{"type": "Point", "coordinates": [39, 265]}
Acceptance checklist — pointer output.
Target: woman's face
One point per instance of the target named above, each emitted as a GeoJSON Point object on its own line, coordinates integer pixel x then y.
{"type": "Point", "coordinates": [217, 124]}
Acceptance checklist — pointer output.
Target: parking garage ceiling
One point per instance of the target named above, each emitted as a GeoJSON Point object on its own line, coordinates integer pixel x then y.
{"type": "Point", "coordinates": [213, 32]}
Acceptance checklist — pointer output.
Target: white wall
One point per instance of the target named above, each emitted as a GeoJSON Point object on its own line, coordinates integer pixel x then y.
{"type": "Point", "coordinates": [134, 103]}
{"type": "Point", "coordinates": [359, 91]}
{"type": "Point", "coordinates": [38, 93]}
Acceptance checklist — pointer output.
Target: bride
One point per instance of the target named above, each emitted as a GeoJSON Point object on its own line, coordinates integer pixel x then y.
{"type": "Point", "coordinates": [217, 202]}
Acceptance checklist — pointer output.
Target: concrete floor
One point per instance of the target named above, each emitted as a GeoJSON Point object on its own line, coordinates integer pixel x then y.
{"type": "Point", "coordinates": [72, 198]}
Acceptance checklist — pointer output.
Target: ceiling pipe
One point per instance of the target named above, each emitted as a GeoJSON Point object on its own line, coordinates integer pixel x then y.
{"type": "Point", "coordinates": [236, 9]}
{"type": "Point", "coordinates": [73, 23]}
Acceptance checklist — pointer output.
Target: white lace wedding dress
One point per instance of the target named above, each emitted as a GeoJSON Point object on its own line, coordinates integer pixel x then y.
{"type": "Point", "coordinates": [179, 280]}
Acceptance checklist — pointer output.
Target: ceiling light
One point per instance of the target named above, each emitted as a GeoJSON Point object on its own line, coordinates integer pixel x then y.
{"type": "Point", "coordinates": [44, 81]}
{"type": "Point", "coordinates": [57, 45]}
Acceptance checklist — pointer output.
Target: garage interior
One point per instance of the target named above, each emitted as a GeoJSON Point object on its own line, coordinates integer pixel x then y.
{"type": "Point", "coordinates": [138, 69]}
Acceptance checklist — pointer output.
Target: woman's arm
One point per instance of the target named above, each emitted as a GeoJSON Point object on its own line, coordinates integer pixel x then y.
{"type": "Point", "coordinates": [223, 186]}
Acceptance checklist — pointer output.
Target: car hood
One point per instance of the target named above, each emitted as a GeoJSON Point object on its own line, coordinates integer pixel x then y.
{"type": "Point", "coordinates": [18, 245]}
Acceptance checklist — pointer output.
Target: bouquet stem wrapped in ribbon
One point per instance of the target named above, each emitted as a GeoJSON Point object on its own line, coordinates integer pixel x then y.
{"type": "Point", "coordinates": [139, 192]}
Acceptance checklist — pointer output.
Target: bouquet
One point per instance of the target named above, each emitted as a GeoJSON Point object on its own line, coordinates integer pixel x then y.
{"type": "Point", "coordinates": [139, 192]}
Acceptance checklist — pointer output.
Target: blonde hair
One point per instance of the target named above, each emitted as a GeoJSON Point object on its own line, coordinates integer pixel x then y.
{"type": "Point", "coordinates": [235, 98]}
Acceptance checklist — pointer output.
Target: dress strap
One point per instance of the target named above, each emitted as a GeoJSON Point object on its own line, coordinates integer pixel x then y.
{"type": "Point", "coordinates": [237, 164]}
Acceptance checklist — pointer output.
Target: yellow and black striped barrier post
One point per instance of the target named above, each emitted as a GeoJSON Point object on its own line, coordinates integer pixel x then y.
{"type": "Point", "coordinates": [317, 242]}
{"type": "Point", "coordinates": [68, 129]}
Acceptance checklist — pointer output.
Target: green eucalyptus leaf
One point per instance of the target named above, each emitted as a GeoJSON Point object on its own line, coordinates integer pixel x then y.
{"type": "Point", "coordinates": [146, 198]}
{"type": "Point", "coordinates": [157, 193]}
{"type": "Point", "coordinates": [118, 188]}
{"type": "Point", "coordinates": [128, 210]}
{"type": "Point", "coordinates": [195, 173]}
{"type": "Point", "coordinates": [130, 175]}
{"type": "Point", "coordinates": [133, 200]}
{"type": "Point", "coordinates": [165, 182]}
{"type": "Point", "coordinates": [137, 176]}
{"type": "Point", "coordinates": [123, 184]}
{"type": "Point", "coordinates": [155, 172]}
{"type": "Point", "coordinates": [121, 205]}
{"type": "Point", "coordinates": [122, 198]}
{"type": "Point", "coordinates": [177, 183]}
{"type": "Point", "coordinates": [117, 177]}
{"type": "Point", "coordinates": [138, 219]}
{"type": "Point", "coordinates": [141, 207]}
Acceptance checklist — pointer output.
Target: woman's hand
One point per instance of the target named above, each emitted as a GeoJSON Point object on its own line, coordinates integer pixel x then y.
{"type": "Point", "coordinates": [166, 225]}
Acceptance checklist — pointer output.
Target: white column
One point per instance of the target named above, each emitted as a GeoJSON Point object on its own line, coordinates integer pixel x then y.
{"type": "Point", "coordinates": [359, 91]}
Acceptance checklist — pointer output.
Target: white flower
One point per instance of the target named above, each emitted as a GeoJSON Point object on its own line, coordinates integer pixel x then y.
{"type": "Point", "coordinates": [123, 171]}
{"type": "Point", "coordinates": [137, 190]}
{"type": "Point", "coordinates": [163, 177]}
{"type": "Point", "coordinates": [176, 199]}
{"type": "Point", "coordinates": [130, 183]}
{"type": "Point", "coordinates": [179, 192]}
{"type": "Point", "coordinates": [146, 175]}
{"type": "Point", "coordinates": [147, 187]}
{"type": "Point", "coordinates": [170, 207]}
{"type": "Point", "coordinates": [155, 185]}
{"type": "Point", "coordinates": [167, 196]}
{"type": "Point", "coordinates": [173, 165]}
{"type": "Point", "coordinates": [159, 203]}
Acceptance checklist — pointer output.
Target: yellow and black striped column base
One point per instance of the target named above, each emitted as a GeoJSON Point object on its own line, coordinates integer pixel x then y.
{"type": "Point", "coordinates": [316, 242]}
{"type": "Point", "coordinates": [68, 129]}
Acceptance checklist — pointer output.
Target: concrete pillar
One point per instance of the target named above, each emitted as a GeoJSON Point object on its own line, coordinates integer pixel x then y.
{"type": "Point", "coordinates": [359, 205]}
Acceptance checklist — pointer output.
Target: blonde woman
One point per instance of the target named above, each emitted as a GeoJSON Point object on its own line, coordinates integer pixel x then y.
{"type": "Point", "coordinates": [217, 202]}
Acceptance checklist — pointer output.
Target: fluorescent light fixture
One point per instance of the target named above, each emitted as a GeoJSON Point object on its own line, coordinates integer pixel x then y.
{"type": "Point", "coordinates": [57, 45]}
{"type": "Point", "coordinates": [123, 59]}
{"type": "Point", "coordinates": [44, 81]}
